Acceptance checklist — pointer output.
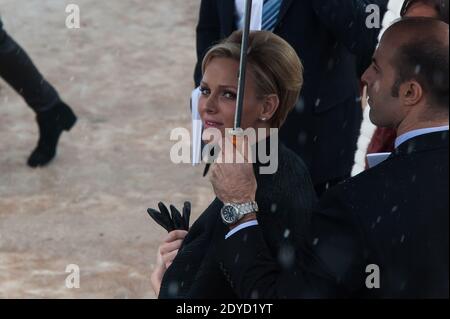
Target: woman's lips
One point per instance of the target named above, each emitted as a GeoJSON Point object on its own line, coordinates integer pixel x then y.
{"type": "Point", "coordinates": [209, 124]}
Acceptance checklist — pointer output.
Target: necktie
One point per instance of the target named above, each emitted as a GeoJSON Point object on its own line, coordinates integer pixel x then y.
{"type": "Point", "coordinates": [271, 10]}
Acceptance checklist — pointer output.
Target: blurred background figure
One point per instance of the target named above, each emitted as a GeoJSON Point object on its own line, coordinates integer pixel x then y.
{"type": "Point", "coordinates": [335, 45]}
{"type": "Point", "coordinates": [53, 116]}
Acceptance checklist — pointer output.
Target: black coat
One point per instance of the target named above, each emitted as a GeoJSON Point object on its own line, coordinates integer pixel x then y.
{"type": "Point", "coordinates": [286, 196]}
{"type": "Point", "coordinates": [335, 46]}
{"type": "Point", "coordinates": [394, 216]}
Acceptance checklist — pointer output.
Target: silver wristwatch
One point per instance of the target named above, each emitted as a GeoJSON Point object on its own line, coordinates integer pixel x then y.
{"type": "Point", "coordinates": [232, 213]}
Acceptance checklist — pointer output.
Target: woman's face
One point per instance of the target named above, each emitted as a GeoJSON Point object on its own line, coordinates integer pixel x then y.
{"type": "Point", "coordinates": [219, 89]}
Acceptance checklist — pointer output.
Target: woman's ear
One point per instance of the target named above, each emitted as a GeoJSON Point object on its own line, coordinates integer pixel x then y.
{"type": "Point", "coordinates": [270, 106]}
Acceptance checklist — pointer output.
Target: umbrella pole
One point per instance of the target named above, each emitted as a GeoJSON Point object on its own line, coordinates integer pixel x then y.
{"type": "Point", "coordinates": [237, 130]}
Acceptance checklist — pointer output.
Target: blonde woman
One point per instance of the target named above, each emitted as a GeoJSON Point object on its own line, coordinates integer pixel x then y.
{"type": "Point", "coordinates": [187, 266]}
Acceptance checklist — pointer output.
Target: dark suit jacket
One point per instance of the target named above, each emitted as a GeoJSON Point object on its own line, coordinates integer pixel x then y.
{"type": "Point", "coordinates": [394, 216]}
{"type": "Point", "coordinates": [287, 199]}
{"type": "Point", "coordinates": [335, 46]}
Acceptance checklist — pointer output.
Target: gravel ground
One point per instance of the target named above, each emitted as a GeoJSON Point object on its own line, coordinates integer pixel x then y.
{"type": "Point", "coordinates": [127, 72]}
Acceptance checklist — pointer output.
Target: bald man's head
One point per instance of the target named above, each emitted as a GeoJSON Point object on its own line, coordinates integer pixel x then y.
{"type": "Point", "coordinates": [420, 52]}
{"type": "Point", "coordinates": [408, 77]}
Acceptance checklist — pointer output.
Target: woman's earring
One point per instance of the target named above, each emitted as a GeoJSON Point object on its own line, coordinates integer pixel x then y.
{"type": "Point", "coordinates": [263, 119]}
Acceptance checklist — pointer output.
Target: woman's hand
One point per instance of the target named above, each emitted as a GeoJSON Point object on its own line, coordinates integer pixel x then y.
{"type": "Point", "coordinates": [157, 274]}
{"type": "Point", "coordinates": [169, 248]}
{"type": "Point", "coordinates": [165, 256]}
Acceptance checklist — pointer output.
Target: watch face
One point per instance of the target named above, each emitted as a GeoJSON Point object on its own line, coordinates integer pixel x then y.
{"type": "Point", "coordinates": [229, 214]}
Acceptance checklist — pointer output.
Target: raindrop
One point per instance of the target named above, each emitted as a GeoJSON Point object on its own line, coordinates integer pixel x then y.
{"type": "Point", "coordinates": [316, 241]}
{"type": "Point", "coordinates": [273, 208]}
{"type": "Point", "coordinates": [394, 209]}
{"type": "Point", "coordinates": [418, 69]}
{"type": "Point", "coordinates": [378, 219]}
{"type": "Point", "coordinates": [300, 106]}
{"type": "Point", "coordinates": [411, 148]}
{"type": "Point", "coordinates": [317, 102]}
{"type": "Point", "coordinates": [286, 256]}
{"type": "Point", "coordinates": [173, 289]}
{"type": "Point", "coordinates": [302, 138]}
{"type": "Point", "coordinates": [287, 232]}
{"type": "Point", "coordinates": [402, 240]}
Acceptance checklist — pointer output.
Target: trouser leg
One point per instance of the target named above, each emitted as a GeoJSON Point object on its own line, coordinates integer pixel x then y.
{"type": "Point", "coordinates": [17, 69]}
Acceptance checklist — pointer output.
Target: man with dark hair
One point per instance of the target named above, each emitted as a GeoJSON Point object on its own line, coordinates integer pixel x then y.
{"type": "Point", "coordinates": [52, 114]}
{"type": "Point", "coordinates": [385, 232]}
{"type": "Point", "coordinates": [419, 59]}
{"type": "Point", "coordinates": [383, 138]}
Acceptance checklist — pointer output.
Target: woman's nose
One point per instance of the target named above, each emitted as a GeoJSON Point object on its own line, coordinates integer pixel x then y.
{"type": "Point", "coordinates": [211, 105]}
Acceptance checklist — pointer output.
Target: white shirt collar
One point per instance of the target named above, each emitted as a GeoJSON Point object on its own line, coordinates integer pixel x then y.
{"type": "Point", "coordinates": [411, 134]}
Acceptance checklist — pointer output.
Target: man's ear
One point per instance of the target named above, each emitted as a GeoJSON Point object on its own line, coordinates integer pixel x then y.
{"type": "Point", "coordinates": [270, 106]}
{"type": "Point", "coordinates": [411, 93]}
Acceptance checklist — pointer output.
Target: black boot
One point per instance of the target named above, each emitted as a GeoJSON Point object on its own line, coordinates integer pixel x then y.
{"type": "Point", "coordinates": [51, 124]}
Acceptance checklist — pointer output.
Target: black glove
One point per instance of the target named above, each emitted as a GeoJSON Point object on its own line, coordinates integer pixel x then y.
{"type": "Point", "coordinates": [173, 220]}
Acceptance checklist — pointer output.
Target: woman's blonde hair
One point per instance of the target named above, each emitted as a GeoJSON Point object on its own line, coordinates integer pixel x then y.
{"type": "Point", "coordinates": [273, 64]}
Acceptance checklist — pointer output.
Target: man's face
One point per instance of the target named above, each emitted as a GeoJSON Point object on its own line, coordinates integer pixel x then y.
{"type": "Point", "coordinates": [385, 108]}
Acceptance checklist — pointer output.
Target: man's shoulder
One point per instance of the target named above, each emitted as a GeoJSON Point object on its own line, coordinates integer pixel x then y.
{"type": "Point", "coordinates": [396, 175]}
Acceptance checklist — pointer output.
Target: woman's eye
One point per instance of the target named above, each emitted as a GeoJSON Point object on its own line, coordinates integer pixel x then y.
{"type": "Point", "coordinates": [230, 95]}
{"type": "Point", "coordinates": [204, 91]}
